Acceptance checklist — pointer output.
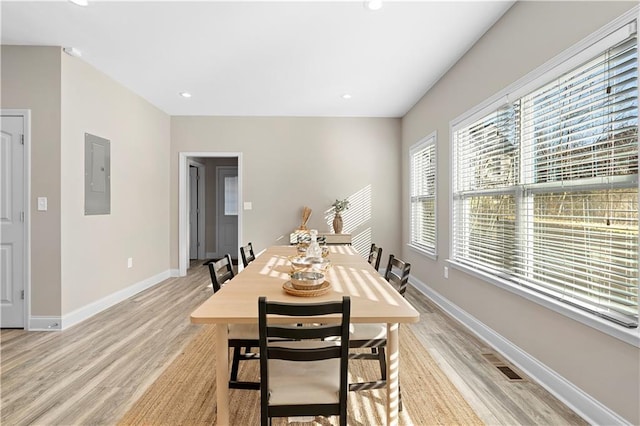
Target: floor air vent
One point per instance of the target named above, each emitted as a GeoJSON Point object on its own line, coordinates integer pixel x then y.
{"type": "Point", "coordinates": [507, 371]}
{"type": "Point", "coordinates": [502, 366]}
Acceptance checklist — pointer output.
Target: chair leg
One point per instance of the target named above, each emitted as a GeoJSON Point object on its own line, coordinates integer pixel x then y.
{"type": "Point", "coordinates": [235, 364]}
{"type": "Point", "coordinates": [383, 373]}
{"type": "Point", "coordinates": [382, 358]}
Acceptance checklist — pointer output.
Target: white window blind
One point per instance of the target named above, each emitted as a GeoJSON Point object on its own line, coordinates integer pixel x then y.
{"type": "Point", "coordinates": [545, 189]}
{"type": "Point", "coordinates": [423, 194]}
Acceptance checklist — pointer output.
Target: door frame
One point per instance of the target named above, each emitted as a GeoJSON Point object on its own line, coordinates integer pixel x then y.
{"type": "Point", "coordinates": [26, 170]}
{"type": "Point", "coordinates": [201, 205]}
{"type": "Point", "coordinates": [183, 201]}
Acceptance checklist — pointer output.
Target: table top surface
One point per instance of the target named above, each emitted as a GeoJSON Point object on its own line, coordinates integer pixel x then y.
{"type": "Point", "coordinates": [373, 299]}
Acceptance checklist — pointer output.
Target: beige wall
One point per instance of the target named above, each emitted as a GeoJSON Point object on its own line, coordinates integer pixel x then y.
{"type": "Point", "coordinates": [95, 248]}
{"type": "Point", "coordinates": [288, 163]}
{"type": "Point", "coordinates": [528, 35]}
{"type": "Point", "coordinates": [31, 80]}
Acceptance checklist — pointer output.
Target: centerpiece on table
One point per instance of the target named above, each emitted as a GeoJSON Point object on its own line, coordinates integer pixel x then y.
{"type": "Point", "coordinates": [338, 207]}
{"type": "Point", "coordinates": [306, 214]}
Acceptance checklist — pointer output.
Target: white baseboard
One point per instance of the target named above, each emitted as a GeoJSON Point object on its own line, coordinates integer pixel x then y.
{"type": "Point", "coordinates": [44, 323]}
{"type": "Point", "coordinates": [590, 409]}
{"type": "Point", "coordinates": [81, 314]}
{"type": "Point", "coordinates": [174, 273]}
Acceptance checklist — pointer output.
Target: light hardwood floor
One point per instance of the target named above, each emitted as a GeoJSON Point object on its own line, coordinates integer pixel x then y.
{"type": "Point", "coordinates": [93, 372]}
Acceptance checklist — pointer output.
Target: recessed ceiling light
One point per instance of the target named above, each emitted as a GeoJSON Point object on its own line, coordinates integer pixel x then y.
{"type": "Point", "coordinates": [72, 51]}
{"type": "Point", "coordinates": [373, 4]}
{"type": "Point", "coordinates": [80, 2]}
{"type": "Point", "coordinates": [185, 94]}
{"type": "Point", "coordinates": [346, 96]}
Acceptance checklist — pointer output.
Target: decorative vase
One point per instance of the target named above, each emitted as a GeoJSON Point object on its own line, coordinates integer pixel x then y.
{"type": "Point", "coordinates": [337, 224]}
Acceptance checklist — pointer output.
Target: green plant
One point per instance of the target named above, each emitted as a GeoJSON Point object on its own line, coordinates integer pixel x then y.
{"type": "Point", "coordinates": [340, 205]}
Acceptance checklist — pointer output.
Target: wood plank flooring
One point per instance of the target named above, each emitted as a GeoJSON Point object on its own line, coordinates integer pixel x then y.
{"type": "Point", "coordinates": [496, 399]}
{"type": "Point", "coordinates": [93, 372]}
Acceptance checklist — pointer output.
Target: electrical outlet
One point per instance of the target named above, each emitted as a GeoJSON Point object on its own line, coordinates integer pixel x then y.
{"type": "Point", "coordinates": [130, 262]}
{"type": "Point", "coordinates": [446, 272]}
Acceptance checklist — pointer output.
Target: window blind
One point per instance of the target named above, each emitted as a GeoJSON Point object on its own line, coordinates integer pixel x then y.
{"type": "Point", "coordinates": [545, 193]}
{"type": "Point", "coordinates": [423, 195]}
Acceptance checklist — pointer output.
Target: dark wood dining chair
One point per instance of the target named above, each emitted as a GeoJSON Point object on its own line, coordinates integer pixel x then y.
{"type": "Point", "coordinates": [247, 254]}
{"type": "Point", "coordinates": [303, 370]}
{"type": "Point", "coordinates": [397, 274]}
{"type": "Point", "coordinates": [221, 271]}
{"type": "Point", "coordinates": [242, 337]}
{"type": "Point", "coordinates": [374, 336]}
{"type": "Point", "coordinates": [375, 254]}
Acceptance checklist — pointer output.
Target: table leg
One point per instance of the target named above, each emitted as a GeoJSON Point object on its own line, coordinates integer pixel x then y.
{"type": "Point", "coordinates": [393, 369]}
{"type": "Point", "coordinates": [222, 372]}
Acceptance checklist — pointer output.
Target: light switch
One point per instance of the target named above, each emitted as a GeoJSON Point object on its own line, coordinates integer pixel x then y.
{"type": "Point", "coordinates": [248, 205]}
{"type": "Point", "coordinates": [42, 204]}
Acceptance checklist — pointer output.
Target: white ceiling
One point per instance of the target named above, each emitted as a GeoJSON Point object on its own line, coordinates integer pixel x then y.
{"type": "Point", "coordinates": [291, 58]}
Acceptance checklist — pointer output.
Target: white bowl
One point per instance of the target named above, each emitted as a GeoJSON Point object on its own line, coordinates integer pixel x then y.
{"type": "Point", "coordinates": [306, 280]}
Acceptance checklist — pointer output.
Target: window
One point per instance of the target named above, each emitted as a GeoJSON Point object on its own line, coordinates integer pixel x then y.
{"type": "Point", "coordinates": [545, 188]}
{"type": "Point", "coordinates": [231, 195]}
{"type": "Point", "coordinates": [423, 195]}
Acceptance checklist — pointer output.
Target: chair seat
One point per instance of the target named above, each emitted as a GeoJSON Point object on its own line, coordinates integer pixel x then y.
{"type": "Point", "coordinates": [243, 331]}
{"type": "Point", "coordinates": [309, 382]}
{"type": "Point", "coordinates": [367, 331]}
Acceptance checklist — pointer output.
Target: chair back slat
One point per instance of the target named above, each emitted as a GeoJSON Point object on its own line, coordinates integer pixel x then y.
{"type": "Point", "coordinates": [303, 309]}
{"type": "Point", "coordinates": [294, 332]}
{"type": "Point", "coordinates": [316, 354]}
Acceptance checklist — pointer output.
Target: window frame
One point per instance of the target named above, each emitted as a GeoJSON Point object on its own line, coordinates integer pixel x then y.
{"type": "Point", "coordinates": [596, 43]}
{"type": "Point", "coordinates": [427, 141]}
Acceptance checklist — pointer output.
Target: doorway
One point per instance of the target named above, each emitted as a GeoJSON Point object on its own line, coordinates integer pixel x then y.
{"type": "Point", "coordinates": [15, 218]}
{"type": "Point", "coordinates": [184, 161]}
{"type": "Point", "coordinates": [227, 211]}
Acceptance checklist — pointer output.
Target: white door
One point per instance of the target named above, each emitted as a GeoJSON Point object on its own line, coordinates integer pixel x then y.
{"type": "Point", "coordinates": [12, 219]}
{"type": "Point", "coordinates": [193, 212]}
{"type": "Point", "coordinates": [227, 207]}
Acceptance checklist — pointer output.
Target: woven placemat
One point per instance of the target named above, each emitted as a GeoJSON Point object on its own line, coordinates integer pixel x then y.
{"type": "Point", "coordinates": [317, 291]}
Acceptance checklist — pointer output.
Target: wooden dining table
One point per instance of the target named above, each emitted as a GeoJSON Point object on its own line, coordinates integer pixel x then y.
{"type": "Point", "coordinates": [373, 300]}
